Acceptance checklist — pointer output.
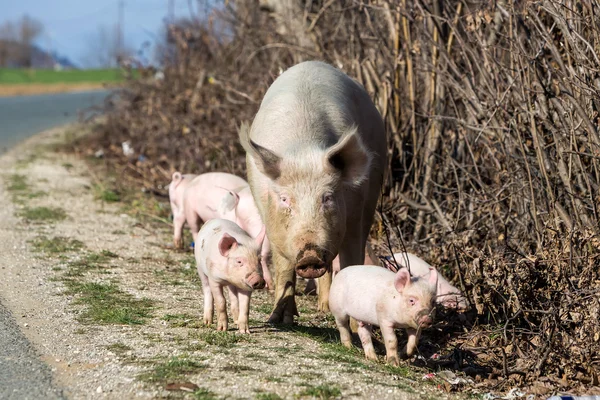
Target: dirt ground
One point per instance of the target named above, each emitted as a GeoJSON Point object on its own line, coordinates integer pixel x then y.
{"type": "Point", "coordinates": [25, 89]}
{"type": "Point", "coordinates": [117, 313]}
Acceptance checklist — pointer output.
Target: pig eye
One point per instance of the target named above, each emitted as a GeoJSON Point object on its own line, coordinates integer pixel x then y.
{"type": "Point", "coordinates": [412, 301]}
{"type": "Point", "coordinates": [285, 200]}
{"type": "Point", "coordinates": [327, 199]}
{"type": "Point", "coordinates": [238, 262]}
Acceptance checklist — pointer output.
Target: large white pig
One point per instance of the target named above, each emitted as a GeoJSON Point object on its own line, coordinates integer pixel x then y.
{"type": "Point", "coordinates": [316, 155]}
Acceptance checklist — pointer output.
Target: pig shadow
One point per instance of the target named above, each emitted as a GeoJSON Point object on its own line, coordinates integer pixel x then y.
{"type": "Point", "coordinates": [321, 334]}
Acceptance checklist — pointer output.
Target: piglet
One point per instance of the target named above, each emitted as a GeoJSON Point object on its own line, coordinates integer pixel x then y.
{"type": "Point", "coordinates": [177, 187]}
{"type": "Point", "coordinates": [447, 295]}
{"type": "Point", "coordinates": [227, 256]}
{"type": "Point", "coordinates": [376, 296]}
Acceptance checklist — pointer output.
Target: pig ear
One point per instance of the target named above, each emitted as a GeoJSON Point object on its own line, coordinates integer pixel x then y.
{"type": "Point", "coordinates": [433, 276]}
{"type": "Point", "coordinates": [402, 279]}
{"type": "Point", "coordinates": [266, 161]}
{"type": "Point", "coordinates": [350, 157]}
{"type": "Point", "coordinates": [226, 244]}
{"type": "Point", "coordinates": [261, 236]}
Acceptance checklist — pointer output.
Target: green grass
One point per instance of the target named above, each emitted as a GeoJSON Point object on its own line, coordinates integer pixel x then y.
{"type": "Point", "coordinates": [56, 245]}
{"type": "Point", "coordinates": [204, 394]}
{"type": "Point", "coordinates": [14, 75]}
{"type": "Point", "coordinates": [220, 339]}
{"type": "Point", "coordinates": [17, 183]}
{"type": "Point", "coordinates": [119, 348]}
{"type": "Point", "coordinates": [89, 262]}
{"type": "Point", "coordinates": [173, 369]}
{"type": "Point", "coordinates": [267, 396]}
{"type": "Point", "coordinates": [43, 214]}
{"type": "Point", "coordinates": [183, 321]}
{"type": "Point", "coordinates": [324, 391]}
{"type": "Point", "coordinates": [107, 304]}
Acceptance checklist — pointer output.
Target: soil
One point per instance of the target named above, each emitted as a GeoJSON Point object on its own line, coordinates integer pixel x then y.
{"type": "Point", "coordinates": [170, 348]}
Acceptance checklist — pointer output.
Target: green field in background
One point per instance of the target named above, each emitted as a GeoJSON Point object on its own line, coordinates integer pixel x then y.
{"type": "Point", "coordinates": [15, 76]}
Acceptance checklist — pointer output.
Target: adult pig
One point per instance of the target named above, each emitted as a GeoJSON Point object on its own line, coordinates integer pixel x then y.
{"type": "Point", "coordinates": [227, 256]}
{"type": "Point", "coordinates": [376, 296]}
{"type": "Point", "coordinates": [316, 154]}
{"type": "Point", "coordinates": [447, 295]}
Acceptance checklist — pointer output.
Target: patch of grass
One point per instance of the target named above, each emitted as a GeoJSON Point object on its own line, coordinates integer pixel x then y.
{"type": "Point", "coordinates": [173, 369]}
{"type": "Point", "coordinates": [221, 339]}
{"type": "Point", "coordinates": [324, 391]}
{"type": "Point", "coordinates": [400, 370]}
{"type": "Point", "coordinates": [107, 195]}
{"type": "Point", "coordinates": [107, 304]}
{"type": "Point", "coordinates": [275, 379]}
{"type": "Point", "coordinates": [23, 75]}
{"type": "Point", "coordinates": [119, 348]}
{"type": "Point", "coordinates": [323, 335]}
{"type": "Point", "coordinates": [204, 394]}
{"type": "Point", "coordinates": [338, 353]}
{"type": "Point", "coordinates": [34, 195]}
{"type": "Point", "coordinates": [17, 183]}
{"type": "Point", "coordinates": [43, 214]}
{"type": "Point", "coordinates": [267, 396]}
{"type": "Point", "coordinates": [183, 321]}
{"type": "Point", "coordinates": [68, 166]}
{"type": "Point", "coordinates": [237, 368]}
{"type": "Point", "coordinates": [118, 232]}
{"type": "Point", "coordinates": [58, 244]}
{"type": "Point", "coordinates": [90, 261]}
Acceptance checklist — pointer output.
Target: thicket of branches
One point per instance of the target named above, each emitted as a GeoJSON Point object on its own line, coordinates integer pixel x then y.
{"type": "Point", "coordinates": [492, 115]}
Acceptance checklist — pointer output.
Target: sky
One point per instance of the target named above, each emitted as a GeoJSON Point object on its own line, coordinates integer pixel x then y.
{"type": "Point", "coordinates": [71, 26]}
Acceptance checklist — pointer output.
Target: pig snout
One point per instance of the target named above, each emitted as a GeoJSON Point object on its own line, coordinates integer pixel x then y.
{"type": "Point", "coordinates": [312, 264]}
{"type": "Point", "coordinates": [424, 319]}
{"type": "Point", "coordinates": [255, 281]}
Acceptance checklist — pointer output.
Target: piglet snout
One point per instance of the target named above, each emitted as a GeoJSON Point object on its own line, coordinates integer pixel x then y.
{"type": "Point", "coordinates": [255, 281]}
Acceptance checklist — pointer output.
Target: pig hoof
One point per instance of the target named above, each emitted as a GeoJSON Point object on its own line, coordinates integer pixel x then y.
{"type": "Point", "coordinates": [393, 360]}
{"type": "Point", "coordinates": [244, 329]}
{"type": "Point", "coordinates": [178, 244]}
{"type": "Point", "coordinates": [370, 355]}
{"type": "Point", "coordinates": [324, 306]}
{"type": "Point", "coordinates": [275, 318]}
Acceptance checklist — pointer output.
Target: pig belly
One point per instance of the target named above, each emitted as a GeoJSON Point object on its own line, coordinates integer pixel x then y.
{"type": "Point", "coordinates": [357, 290]}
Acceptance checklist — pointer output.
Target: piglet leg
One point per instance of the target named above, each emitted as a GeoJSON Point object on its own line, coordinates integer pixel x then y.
{"type": "Point", "coordinates": [364, 332]}
{"type": "Point", "coordinates": [233, 301]}
{"type": "Point", "coordinates": [391, 342]}
{"type": "Point", "coordinates": [217, 291]}
{"type": "Point", "coordinates": [244, 313]}
{"type": "Point", "coordinates": [208, 299]}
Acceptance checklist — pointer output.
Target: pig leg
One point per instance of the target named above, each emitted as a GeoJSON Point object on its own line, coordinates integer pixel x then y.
{"type": "Point", "coordinates": [413, 341]}
{"type": "Point", "coordinates": [194, 222]}
{"type": "Point", "coordinates": [233, 301]}
{"type": "Point", "coordinates": [324, 285]}
{"type": "Point", "coordinates": [391, 342]}
{"type": "Point", "coordinates": [217, 291]}
{"type": "Point", "coordinates": [264, 254]}
{"type": "Point", "coordinates": [364, 332]}
{"type": "Point", "coordinates": [345, 334]}
{"type": "Point", "coordinates": [285, 286]}
{"type": "Point", "coordinates": [208, 299]}
{"type": "Point", "coordinates": [244, 298]}
{"type": "Point", "coordinates": [178, 221]}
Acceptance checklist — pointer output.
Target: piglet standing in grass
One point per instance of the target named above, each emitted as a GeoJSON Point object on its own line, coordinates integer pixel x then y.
{"type": "Point", "coordinates": [227, 256]}
{"type": "Point", "coordinates": [376, 296]}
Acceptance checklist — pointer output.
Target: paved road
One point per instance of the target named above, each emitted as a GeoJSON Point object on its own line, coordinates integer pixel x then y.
{"type": "Point", "coordinates": [24, 116]}
{"type": "Point", "coordinates": [22, 374]}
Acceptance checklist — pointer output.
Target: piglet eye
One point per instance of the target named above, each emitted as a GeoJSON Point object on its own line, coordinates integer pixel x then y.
{"type": "Point", "coordinates": [238, 262]}
{"type": "Point", "coordinates": [412, 301]}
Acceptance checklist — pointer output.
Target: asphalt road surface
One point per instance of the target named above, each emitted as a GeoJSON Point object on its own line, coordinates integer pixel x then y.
{"type": "Point", "coordinates": [24, 116]}
{"type": "Point", "coordinates": [22, 374]}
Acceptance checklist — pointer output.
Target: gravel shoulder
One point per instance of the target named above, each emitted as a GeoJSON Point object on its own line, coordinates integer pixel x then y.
{"type": "Point", "coordinates": [116, 313]}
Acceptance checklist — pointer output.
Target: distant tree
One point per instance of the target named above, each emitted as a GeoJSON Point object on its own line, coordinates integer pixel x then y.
{"type": "Point", "coordinates": [105, 50]}
{"type": "Point", "coordinates": [16, 41]}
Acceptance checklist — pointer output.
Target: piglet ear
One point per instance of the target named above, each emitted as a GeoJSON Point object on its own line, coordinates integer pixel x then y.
{"type": "Point", "coordinates": [226, 244]}
{"type": "Point", "coordinates": [261, 236]}
{"type": "Point", "coordinates": [402, 279]}
{"type": "Point", "coordinates": [433, 276]}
